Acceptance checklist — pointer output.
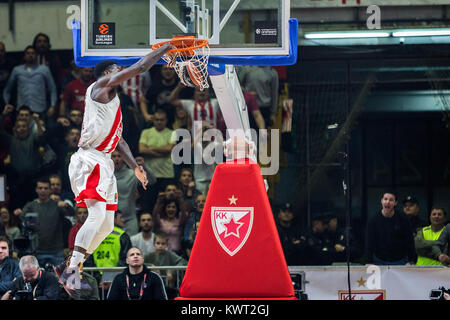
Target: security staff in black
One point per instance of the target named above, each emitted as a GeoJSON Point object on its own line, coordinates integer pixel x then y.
{"type": "Point", "coordinates": [137, 282]}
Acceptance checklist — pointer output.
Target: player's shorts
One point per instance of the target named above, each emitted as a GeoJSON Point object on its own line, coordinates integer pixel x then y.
{"type": "Point", "coordinates": [91, 174]}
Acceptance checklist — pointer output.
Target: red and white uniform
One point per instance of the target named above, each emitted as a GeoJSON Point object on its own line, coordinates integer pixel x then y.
{"type": "Point", "coordinates": [137, 87]}
{"type": "Point", "coordinates": [201, 112]}
{"type": "Point", "coordinates": [91, 169]}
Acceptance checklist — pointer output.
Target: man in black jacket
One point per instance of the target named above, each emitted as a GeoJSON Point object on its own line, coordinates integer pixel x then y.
{"type": "Point", "coordinates": [389, 239]}
{"type": "Point", "coordinates": [42, 285]}
{"type": "Point", "coordinates": [9, 268]}
{"type": "Point", "coordinates": [412, 210]}
{"type": "Point", "coordinates": [137, 282]}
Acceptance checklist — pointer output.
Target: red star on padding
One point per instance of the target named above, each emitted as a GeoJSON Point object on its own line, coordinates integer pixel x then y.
{"type": "Point", "coordinates": [232, 227]}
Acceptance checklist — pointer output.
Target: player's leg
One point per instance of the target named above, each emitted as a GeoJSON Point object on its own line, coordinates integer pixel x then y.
{"type": "Point", "coordinates": [89, 230]}
{"type": "Point", "coordinates": [105, 229]}
{"type": "Point", "coordinates": [108, 223]}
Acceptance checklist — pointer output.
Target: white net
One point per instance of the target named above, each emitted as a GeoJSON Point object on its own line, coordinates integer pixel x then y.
{"type": "Point", "coordinates": [191, 62]}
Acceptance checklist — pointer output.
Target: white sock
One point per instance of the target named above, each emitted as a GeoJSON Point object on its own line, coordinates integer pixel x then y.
{"type": "Point", "coordinates": [76, 259]}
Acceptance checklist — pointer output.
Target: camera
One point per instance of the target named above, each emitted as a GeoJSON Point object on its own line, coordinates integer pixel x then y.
{"type": "Point", "coordinates": [25, 294]}
{"type": "Point", "coordinates": [438, 294]}
{"type": "Point", "coordinates": [298, 282]}
{"type": "Point", "coordinates": [30, 225]}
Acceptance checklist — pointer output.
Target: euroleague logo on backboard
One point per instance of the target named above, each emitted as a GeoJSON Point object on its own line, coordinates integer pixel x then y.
{"type": "Point", "coordinates": [232, 227]}
{"type": "Point", "coordinates": [104, 28]}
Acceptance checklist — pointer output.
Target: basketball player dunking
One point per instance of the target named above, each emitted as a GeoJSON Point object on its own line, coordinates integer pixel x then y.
{"type": "Point", "coordinates": [91, 169]}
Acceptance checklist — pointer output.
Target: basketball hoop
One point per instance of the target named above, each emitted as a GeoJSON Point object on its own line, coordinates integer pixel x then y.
{"type": "Point", "coordinates": [189, 58]}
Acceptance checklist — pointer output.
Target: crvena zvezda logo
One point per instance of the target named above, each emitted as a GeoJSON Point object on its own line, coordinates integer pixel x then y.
{"type": "Point", "coordinates": [232, 227]}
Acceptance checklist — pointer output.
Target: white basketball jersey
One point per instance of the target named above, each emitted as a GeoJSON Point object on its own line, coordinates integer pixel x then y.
{"type": "Point", "coordinates": [102, 124]}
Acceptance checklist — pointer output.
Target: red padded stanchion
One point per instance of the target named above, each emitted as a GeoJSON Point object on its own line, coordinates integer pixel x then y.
{"type": "Point", "coordinates": [237, 252]}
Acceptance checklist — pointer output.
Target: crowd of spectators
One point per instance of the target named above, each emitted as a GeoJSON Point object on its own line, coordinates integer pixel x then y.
{"type": "Point", "coordinates": [42, 107]}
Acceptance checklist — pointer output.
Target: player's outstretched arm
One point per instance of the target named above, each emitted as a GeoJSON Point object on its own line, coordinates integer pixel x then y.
{"type": "Point", "coordinates": [145, 63]}
{"type": "Point", "coordinates": [139, 171]}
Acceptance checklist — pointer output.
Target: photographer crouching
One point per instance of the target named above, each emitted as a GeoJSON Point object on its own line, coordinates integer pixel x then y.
{"type": "Point", "coordinates": [34, 284]}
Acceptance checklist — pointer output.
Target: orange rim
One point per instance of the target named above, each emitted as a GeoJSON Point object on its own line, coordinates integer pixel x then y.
{"type": "Point", "coordinates": [191, 42]}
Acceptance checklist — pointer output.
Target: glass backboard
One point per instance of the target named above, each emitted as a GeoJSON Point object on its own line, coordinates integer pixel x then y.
{"type": "Point", "coordinates": [232, 27]}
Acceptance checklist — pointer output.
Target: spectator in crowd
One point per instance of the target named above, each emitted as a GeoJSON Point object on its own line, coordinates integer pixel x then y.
{"type": "Point", "coordinates": [46, 57]}
{"type": "Point", "coordinates": [50, 241]}
{"type": "Point", "coordinates": [73, 73]}
{"type": "Point", "coordinates": [9, 267]}
{"type": "Point", "coordinates": [170, 193]}
{"type": "Point", "coordinates": [182, 120]}
{"type": "Point", "coordinates": [144, 240]}
{"type": "Point", "coordinates": [6, 66]}
{"type": "Point", "coordinates": [137, 282]}
{"type": "Point", "coordinates": [156, 146]}
{"type": "Point", "coordinates": [24, 113]}
{"type": "Point", "coordinates": [69, 221]}
{"type": "Point", "coordinates": [264, 81]}
{"type": "Point", "coordinates": [75, 92]}
{"type": "Point", "coordinates": [170, 219]}
{"type": "Point", "coordinates": [338, 242]}
{"type": "Point", "coordinates": [389, 240]}
{"type": "Point", "coordinates": [25, 160]}
{"type": "Point", "coordinates": [157, 95]}
{"type": "Point", "coordinates": [255, 117]}
{"type": "Point", "coordinates": [81, 216]}
{"type": "Point", "coordinates": [292, 241]}
{"type": "Point", "coordinates": [11, 227]}
{"type": "Point", "coordinates": [163, 256]}
{"type": "Point", "coordinates": [44, 284]}
{"type": "Point", "coordinates": [440, 249]}
{"type": "Point", "coordinates": [186, 245]}
{"type": "Point", "coordinates": [57, 131]}
{"type": "Point", "coordinates": [201, 108]}
{"type": "Point", "coordinates": [32, 81]}
{"type": "Point", "coordinates": [412, 210]}
{"type": "Point", "coordinates": [426, 237]}
{"type": "Point", "coordinates": [64, 152]}
{"type": "Point", "coordinates": [204, 171]}
{"type": "Point", "coordinates": [131, 121]}
{"type": "Point", "coordinates": [136, 88]}
{"type": "Point", "coordinates": [126, 190]}
{"type": "Point", "coordinates": [56, 188]}
{"type": "Point", "coordinates": [76, 118]}
{"type": "Point", "coordinates": [190, 229]}
{"type": "Point", "coordinates": [112, 252]}
{"type": "Point", "coordinates": [8, 117]}
{"type": "Point", "coordinates": [186, 184]}
{"type": "Point", "coordinates": [316, 242]}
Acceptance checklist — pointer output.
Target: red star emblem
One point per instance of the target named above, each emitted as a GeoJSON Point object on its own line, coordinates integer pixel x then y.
{"type": "Point", "coordinates": [232, 227]}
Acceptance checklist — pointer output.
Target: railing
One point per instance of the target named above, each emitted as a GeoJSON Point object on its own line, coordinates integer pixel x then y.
{"type": "Point", "coordinates": [108, 274]}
